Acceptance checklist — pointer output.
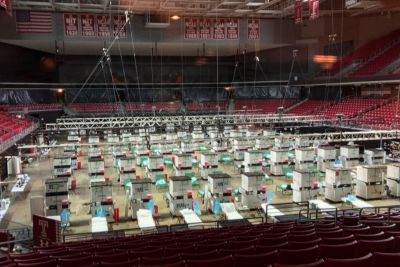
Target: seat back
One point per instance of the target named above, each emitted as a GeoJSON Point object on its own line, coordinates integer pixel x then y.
{"type": "Point", "coordinates": [365, 261]}
{"type": "Point", "coordinates": [341, 251]}
{"type": "Point", "coordinates": [298, 256]}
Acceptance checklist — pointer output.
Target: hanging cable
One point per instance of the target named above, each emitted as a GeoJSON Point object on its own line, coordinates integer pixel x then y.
{"type": "Point", "coordinates": [123, 68]}
{"type": "Point", "coordinates": [136, 69]}
{"type": "Point", "coordinates": [182, 76]}
{"type": "Point", "coordinates": [217, 55]}
{"type": "Point", "coordinates": [99, 62]}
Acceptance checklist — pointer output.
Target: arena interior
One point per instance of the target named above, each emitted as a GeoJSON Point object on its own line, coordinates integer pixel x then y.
{"type": "Point", "coordinates": [179, 133]}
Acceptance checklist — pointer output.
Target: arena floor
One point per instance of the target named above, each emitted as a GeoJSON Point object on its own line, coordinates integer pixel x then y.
{"type": "Point", "coordinates": [19, 211]}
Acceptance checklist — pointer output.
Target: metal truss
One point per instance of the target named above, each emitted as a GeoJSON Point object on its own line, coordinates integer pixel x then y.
{"type": "Point", "coordinates": [64, 124]}
{"type": "Point", "coordinates": [350, 136]}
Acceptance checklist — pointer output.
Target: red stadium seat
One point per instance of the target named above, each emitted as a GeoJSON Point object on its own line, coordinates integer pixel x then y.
{"type": "Point", "coordinates": [305, 244]}
{"type": "Point", "coordinates": [341, 251]}
{"type": "Point", "coordinates": [376, 236]}
{"type": "Point", "coordinates": [259, 260]}
{"type": "Point", "coordinates": [245, 250]}
{"type": "Point", "coordinates": [365, 261]}
{"type": "Point", "coordinates": [129, 263]}
{"type": "Point", "coordinates": [73, 262]}
{"type": "Point", "coordinates": [48, 263]}
{"type": "Point", "coordinates": [200, 256]}
{"type": "Point", "coordinates": [386, 259]}
{"type": "Point", "coordinates": [159, 260]}
{"type": "Point", "coordinates": [367, 246]}
{"type": "Point", "coordinates": [220, 262]}
{"type": "Point", "coordinates": [298, 256]}
{"type": "Point", "coordinates": [262, 248]}
{"type": "Point", "coordinates": [337, 240]}
{"type": "Point", "coordinates": [319, 263]}
{"type": "Point", "coordinates": [112, 257]}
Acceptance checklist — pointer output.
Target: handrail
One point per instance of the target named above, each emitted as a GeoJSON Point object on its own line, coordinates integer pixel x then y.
{"type": "Point", "coordinates": [159, 228]}
{"type": "Point", "coordinates": [309, 211]}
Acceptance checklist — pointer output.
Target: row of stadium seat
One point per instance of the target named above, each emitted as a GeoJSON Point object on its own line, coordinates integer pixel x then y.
{"type": "Point", "coordinates": [282, 244]}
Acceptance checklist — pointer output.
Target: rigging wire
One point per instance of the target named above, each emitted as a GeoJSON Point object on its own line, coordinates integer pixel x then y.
{"type": "Point", "coordinates": [135, 66]}
{"type": "Point", "coordinates": [123, 70]}
{"type": "Point", "coordinates": [99, 62]}
{"type": "Point", "coordinates": [217, 58]}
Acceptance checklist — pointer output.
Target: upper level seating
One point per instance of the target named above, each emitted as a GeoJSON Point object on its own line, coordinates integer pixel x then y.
{"type": "Point", "coordinates": [169, 106]}
{"type": "Point", "coordinates": [262, 106]}
{"type": "Point", "coordinates": [350, 107]}
{"type": "Point", "coordinates": [309, 107]}
{"type": "Point", "coordinates": [31, 107]}
{"type": "Point", "coordinates": [11, 125]}
{"type": "Point", "coordinates": [93, 107]}
{"type": "Point", "coordinates": [208, 106]}
{"type": "Point", "coordinates": [366, 51]}
{"type": "Point", "coordinates": [379, 62]}
{"type": "Point", "coordinates": [281, 244]}
{"type": "Point", "coordinates": [384, 117]}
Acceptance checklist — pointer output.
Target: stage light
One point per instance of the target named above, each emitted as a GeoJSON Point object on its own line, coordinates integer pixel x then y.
{"type": "Point", "coordinates": [60, 90]}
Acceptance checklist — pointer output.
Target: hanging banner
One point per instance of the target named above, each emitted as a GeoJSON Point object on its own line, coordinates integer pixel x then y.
{"type": "Point", "coordinates": [232, 29]}
{"type": "Point", "coordinates": [205, 28]}
{"type": "Point", "coordinates": [46, 231]}
{"type": "Point", "coordinates": [219, 29]}
{"type": "Point", "coordinates": [71, 25]}
{"type": "Point", "coordinates": [118, 23]}
{"type": "Point", "coordinates": [298, 11]}
{"type": "Point", "coordinates": [7, 5]}
{"type": "Point", "coordinates": [190, 28]}
{"type": "Point", "coordinates": [313, 7]}
{"type": "Point", "coordinates": [103, 26]}
{"type": "Point", "coordinates": [87, 25]}
{"type": "Point", "coordinates": [253, 29]}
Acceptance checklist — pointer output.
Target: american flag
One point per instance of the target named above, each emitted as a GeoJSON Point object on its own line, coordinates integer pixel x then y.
{"type": "Point", "coordinates": [33, 21]}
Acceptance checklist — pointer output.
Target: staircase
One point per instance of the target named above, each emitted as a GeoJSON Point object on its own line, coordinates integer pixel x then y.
{"type": "Point", "coordinates": [391, 68]}
{"type": "Point", "coordinates": [296, 104]}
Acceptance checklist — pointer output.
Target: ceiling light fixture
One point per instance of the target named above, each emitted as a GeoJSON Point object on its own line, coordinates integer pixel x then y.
{"type": "Point", "coordinates": [175, 17]}
{"type": "Point", "coordinates": [256, 3]}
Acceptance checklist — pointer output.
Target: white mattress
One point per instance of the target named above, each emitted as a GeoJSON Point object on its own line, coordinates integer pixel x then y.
{"type": "Point", "coordinates": [191, 218]}
{"type": "Point", "coordinates": [230, 211]}
{"type": "Point", "coordinates": [358, 203]}
{"type": "Point", "coordinates": [272, 211]}
{"type": "Point", "coordinates": [145, 219]}
{"type": "Point", "coordinates": [99, 224]}
{"type": "Point", "coordinates": [16, 189]}
{"type": "Point", "coordinates": [6, 206]}
{"type": "Point", "coordinates": [321, 204]}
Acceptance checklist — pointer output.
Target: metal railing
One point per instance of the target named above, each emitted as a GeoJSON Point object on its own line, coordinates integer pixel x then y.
{"type": "Point", "coordinates": [316, 214]}
{"type": "Point", "coordinates": [66, 237]}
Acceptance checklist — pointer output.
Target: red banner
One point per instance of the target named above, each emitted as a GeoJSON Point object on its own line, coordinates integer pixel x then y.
{"type": "Point", "coordinates": [87, 25]}
{"type": "Point", "coordinates": [298, 11]}
{"type": "Point", "coordinates": [190, 28]}
{"type": "Point", "coordinates": [45, 231]}
{"type": "Point", "coordinates": [70, 24]}
{"type": "Point", "coordinates": [103, 26]}
{"type": "Point", "coordinates": [119, 22]}
{"type": "Point", "coordinates": [253, 29]}
{"type": "Point", "coordinates": [205, 28]}
{"type": "Point", "coordinates": [313, 7]}
{"type": "Point", "coordinates": [3, 4]}
{"type": "Point", "coordinates": [232, 29]}
{"type": "Point", "coordinates": [219, 29]}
